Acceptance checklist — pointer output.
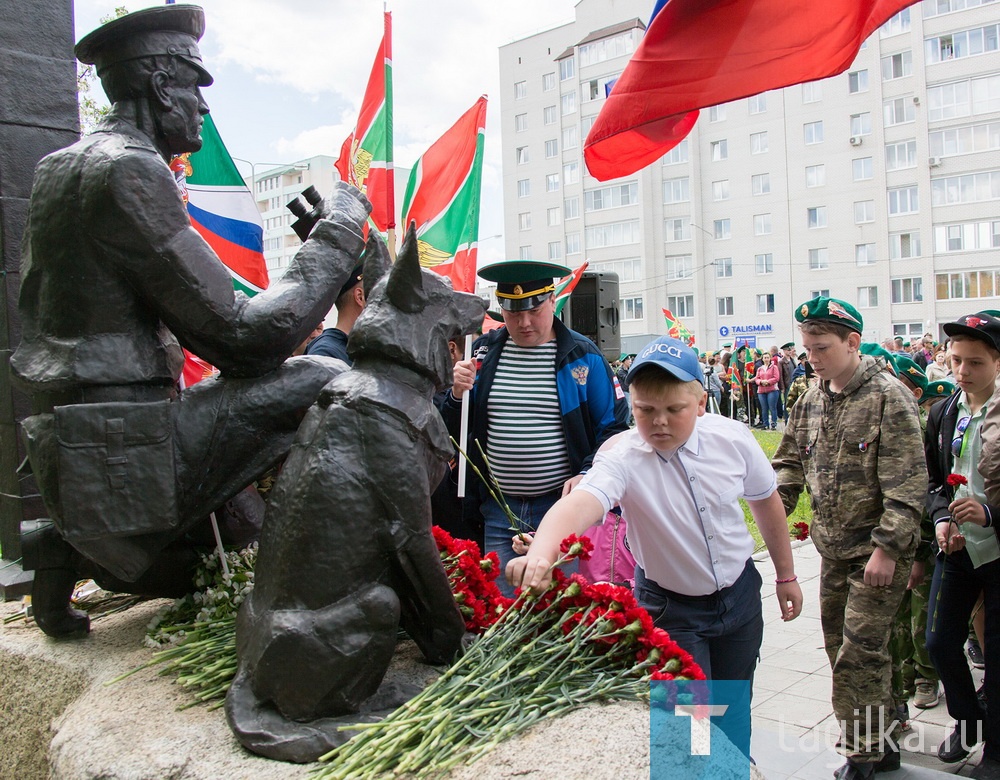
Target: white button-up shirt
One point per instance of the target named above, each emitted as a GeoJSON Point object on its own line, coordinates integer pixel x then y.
{"type": "Point", "coordinates": [685, 525]}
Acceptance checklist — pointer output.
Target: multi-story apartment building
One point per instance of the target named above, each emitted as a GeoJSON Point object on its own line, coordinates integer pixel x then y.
{"type": "Point", "coordinates": [880, 186]}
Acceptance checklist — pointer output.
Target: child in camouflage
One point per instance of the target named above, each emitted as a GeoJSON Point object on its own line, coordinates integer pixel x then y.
{"type": "Point", "coordinates": [867, 493]}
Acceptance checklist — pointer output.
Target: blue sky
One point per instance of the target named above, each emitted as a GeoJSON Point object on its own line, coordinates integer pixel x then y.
{"type": "Point", "coordinates": [289, 76]}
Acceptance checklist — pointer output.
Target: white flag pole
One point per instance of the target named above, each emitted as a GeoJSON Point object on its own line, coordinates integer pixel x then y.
{"type": "Point", "coordinates": [464, 435]}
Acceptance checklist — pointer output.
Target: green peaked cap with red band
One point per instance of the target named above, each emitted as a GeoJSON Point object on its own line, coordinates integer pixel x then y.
{"type": "Point", "coordinates": [823, 309]}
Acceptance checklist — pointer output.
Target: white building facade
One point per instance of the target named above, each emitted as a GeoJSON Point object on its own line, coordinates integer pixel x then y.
{"type": "Point", "coordinates": [880, 186]}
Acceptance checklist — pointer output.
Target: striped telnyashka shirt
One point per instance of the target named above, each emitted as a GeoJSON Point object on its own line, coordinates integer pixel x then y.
{"type": "Point", "coordinates": [525, 444]}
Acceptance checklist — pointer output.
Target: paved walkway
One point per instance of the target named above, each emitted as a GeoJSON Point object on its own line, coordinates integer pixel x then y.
{"type": "Point", "coordinates": [794, 730]}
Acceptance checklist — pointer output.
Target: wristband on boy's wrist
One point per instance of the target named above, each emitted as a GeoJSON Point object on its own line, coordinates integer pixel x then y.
{"type": "Point", "coordinates": [942, 519]}
{"type": "Point", "coordinates": [793, 578]}
{"type": "Point", "coordinates": [989, 517]}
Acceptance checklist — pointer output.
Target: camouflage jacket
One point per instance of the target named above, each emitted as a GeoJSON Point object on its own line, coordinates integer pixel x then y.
{"type": "Point", "coordinates": [860, 453]}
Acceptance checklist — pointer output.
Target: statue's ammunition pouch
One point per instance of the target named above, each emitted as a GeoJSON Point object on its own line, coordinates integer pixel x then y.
{"type": "Point", "coordinates": [106, 469]}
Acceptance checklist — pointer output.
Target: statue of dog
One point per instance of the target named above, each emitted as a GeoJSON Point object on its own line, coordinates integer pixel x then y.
{"type": "Point", "coordinates": [346, 554]}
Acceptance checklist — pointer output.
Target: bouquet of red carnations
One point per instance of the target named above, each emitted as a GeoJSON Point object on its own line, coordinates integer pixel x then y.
{"type": "Point", "coordinates": [542, 656]}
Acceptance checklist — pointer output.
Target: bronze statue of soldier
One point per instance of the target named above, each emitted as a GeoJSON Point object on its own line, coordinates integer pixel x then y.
{"type": "Point", "coordinates": [114, 282]}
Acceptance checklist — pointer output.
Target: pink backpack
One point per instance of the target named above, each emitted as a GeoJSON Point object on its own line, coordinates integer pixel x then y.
{"type": "Point", "coordinates": [611, 560]}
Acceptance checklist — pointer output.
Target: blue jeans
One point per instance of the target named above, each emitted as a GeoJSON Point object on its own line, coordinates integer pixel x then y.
{"type": "Point", "coordinates": [722, 631]}
{"type": "Point", "coordinates": [768, 408]}
{"type": "Point", "coordinates": [530, 509]}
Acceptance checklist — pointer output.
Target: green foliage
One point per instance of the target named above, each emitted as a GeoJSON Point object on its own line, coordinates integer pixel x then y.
{"type": "Point", "coordinates": [769, 441]}
{"type": "Point", "coordinates": [92, 110]}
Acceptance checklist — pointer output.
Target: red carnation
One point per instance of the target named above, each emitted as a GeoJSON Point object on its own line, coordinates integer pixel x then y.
{"type": "Point", "coordinates": [800, 531]}
{"type": "Point", "coordinates": [954, 480]}
{"type": "Point", "coordinates": [574, 546]}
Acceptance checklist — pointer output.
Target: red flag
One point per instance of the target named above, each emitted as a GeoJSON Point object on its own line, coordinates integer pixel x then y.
{"type": "Point", "coordinates": [366, 155]}
{"type": "Point", "coordinates": [699, 53]}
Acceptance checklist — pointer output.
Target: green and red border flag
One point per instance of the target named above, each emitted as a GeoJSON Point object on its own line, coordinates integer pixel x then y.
{"type": "Point", "coordinates": [697, 54]}
{"type": "Point", "coordinates": [566, 285]}
{"type": "Point", "coordinates": [366, 155]}
{"type": "Point", "coordinates": [442, 198]}
{"type": "Point", "coordinates": [676, 329]}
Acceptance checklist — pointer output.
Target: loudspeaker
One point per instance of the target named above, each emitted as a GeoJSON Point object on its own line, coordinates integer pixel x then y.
{"type": "Point", "coordinates": [592, 309]}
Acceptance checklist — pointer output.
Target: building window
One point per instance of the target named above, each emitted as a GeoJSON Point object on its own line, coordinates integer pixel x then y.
{"type": "Point", "coordinates": [681, 305]}
{"type": "Point", "coordinates": [679, 267]}
{"type": "Point", "coordinates": [812, 92]}
{"type": "Point", "coordinates": [903, 246]}
{"type": "Point", "coordinates": [898, 111]}
{"type": "Point", "coordinates": [763, 264]}
{"type": "Point", "coordinates": [861, 169]}
{"type": "Point", "coordinates": [677, 229]}
{"type": "Point", "coordinates": [758, 142]}
{"type": "Point", "coordinates": [908, 330]}
{"type": "Point", "coordinates": [676, 190]}
{"type": "Point", "coordinates": [967, 237]}
{"type": "Point", "coordinates": [899, 23]}
{"type": "Point", "coordinates": [524, 220]}
{"type": "Point", "coordinates": [867, 297]}
{"type": "Point", "coordinates": [570, 137]}
{"type": "Point", "coordinates": [552, 182]}
{"type": "Point", "coordinates": [760, 183]}
{"type": "Point", "coordinates": [522, 155]}
{"type": "Point", "coordinates": [679, 154]}
{"type": "Point", "coordinates": [937, 7]}
{"type": "Point", "coordinates": [568, 102]}
{"type": "Point", "coordinates": [631, 308]}
{"type": "Point", "coordinates": [815, 175]}
{"type": "Point", "coordinates": [523, 188]}
{"type": "Point", "coordinates": [551, 148]}
{"type": "Point", "coordinates": [909, 289]}
{"type": "Point", "coordinates": [549, 115]}
{"type": "Point", "coordinates": [813, 132]}
{"type": "Point", "coordinates": [555, 250]}
{"type": "Point", "coordinates": [611, 197]}
{"type": "Point", "coordinates": [553, 216]}
{"type": "Point", "coordinates": [964, 98]}
{"type": "Point", "coordinates": [613, 234]}
{"type": "Point", "coordinates": [965, 140]}
{"type": "Point", "coordinates": [824, 293]}
{"type": "Point", "coordinates": [967, 188]}
{"type": "Point", "coordinates": [573, 246]}
{"type": "Point", "coordinates": [819, 259]}
{"type": "Point", "coordinates": [720, 150]}
{"type": "Point", "coordinates": [567, 68]}
{"type": "Point", "coordinates": [765, 303]}
{"type": "Point", "coordinates": [861, 124]}
{"type": "Point", "coordinates": [720, 190]}
{"type": "Point", "coordinates": [901, 155]}
{"type": "Point", "coordinates": [967, 284]}
{"type": "Point", "coordinates": [721, 229]}
{"type": "Point", "coordinates": [903, 200]}
{"type": "Point", "coordinates": [548, 82]}
{"type": "Point", "coordinates": [965, 43]}
{"type": "Point", "coordinates": [864, 254]}
{"type": "Point", "coordinates": [723, 267]}
{"type": "Point", "coordinates": [524, 253]}
{"type": "Point", "coordinates": [520, 90]}
{"type": "Point", "coordinates": [816, 217]}
{"type": "Point", "coordinates": [857, 81]}
{"type": "Point", "coordinates": [762, 224]}
{"type": "Point", "coordinates": [571, 173]}
{"type": "Point", "coordinates": [864, 211]}
{"type": "Point", "coordinates": [757, 104]}
{"type": "Point", "coordinates": [724, 306]}
{"type": "Point", "coordinates": [628, 270]}
{"type": "Point", "coordinates": [520, 123]}
{"type": "Point", "coordinates": [571, 207]}
{"type": "Point", "coordinates": [897, 66]}
{"type": "Point", "coordinates": [716, 113]}
{"type": "Point", "coordinates": [608, 48]}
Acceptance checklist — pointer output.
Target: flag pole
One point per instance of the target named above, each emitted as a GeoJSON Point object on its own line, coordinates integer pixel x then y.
{"type": "Point", "coordinates": [464, 434]}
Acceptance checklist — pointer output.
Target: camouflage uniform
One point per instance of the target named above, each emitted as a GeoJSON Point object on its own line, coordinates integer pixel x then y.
{"type": "Point", "coordinates": [908, 644]}
{"type": "Point", "coordinates": [867, 489]}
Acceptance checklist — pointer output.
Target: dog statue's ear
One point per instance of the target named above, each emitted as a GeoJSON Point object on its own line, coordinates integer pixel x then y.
{"type": "Point", "coordinates": [376, 262]}
{"type": "Point", "coordinates": [405, 288]}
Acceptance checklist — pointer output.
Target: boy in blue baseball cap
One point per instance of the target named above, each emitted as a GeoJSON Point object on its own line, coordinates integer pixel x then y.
{"type": "Point", "coordinates": [677, 477]}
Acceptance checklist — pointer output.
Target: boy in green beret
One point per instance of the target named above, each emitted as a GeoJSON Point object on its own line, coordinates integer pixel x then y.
{"type": "Point", "coordinates": [867, 494]}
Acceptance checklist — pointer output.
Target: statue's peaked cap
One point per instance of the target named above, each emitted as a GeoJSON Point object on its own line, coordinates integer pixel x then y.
{"type": "Point", "coordinates": [166, 29]}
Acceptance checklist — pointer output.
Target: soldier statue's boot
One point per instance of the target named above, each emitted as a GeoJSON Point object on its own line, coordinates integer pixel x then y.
{"type": "Point", "coordinates": [53, 560]}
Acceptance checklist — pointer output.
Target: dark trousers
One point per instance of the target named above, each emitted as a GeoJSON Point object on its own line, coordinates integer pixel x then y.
{"type": "Point", "coordinates": [954, 591]}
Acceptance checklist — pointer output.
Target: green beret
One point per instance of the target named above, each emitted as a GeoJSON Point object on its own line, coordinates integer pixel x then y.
{"type": "Point", "coordinates": [788, 344]}
{"type": "Point", "coordinates": [942, 388]}
{"type": "Point", "coordinates": [823, 309]}
{"type": "Point", "coordinates": [909, 370]}
{"type": "Point", "coordinates": [906, 343]}
{"type": "Point", "coordinates": [878, 351]}
{"type": "Point", "coordinates": [727, 346]}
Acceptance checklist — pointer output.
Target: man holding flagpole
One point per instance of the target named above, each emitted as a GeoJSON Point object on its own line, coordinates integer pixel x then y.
{"type": "Point", "coordinates": [543, 400]}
